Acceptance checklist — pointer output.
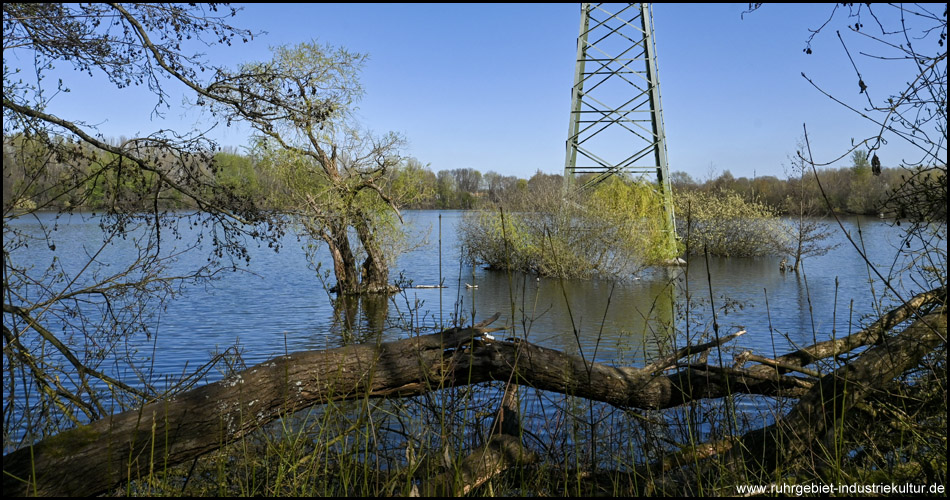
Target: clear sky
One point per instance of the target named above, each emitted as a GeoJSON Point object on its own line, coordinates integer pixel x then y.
{"type": "Point", "coordinates": [487, 86]}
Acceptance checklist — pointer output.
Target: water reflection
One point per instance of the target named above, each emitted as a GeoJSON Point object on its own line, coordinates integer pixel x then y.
{"type": "Point", "coordinates": [601, 320]}
{"type": "Point", "coordinates": [360, 319]}
{"type": "Point", "coordinates": [279, 304]}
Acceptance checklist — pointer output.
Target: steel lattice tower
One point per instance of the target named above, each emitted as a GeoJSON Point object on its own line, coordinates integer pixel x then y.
{"type": "Point", "coordinates": [616, 123]}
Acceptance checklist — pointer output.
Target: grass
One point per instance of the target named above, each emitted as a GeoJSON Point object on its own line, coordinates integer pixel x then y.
{"type": "Point", "coordinates": [386, 447]}
{"type": "Point", "coordinates": [392, 447]}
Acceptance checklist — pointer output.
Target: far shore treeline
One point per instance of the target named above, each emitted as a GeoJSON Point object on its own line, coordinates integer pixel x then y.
{"type": "Point", "coordinates": [851, 190]}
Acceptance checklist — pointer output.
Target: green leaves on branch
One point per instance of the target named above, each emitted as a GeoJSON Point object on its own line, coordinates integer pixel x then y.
{"type": "Point", "coordinates": [727, 225]}
{"type": "Point", "coordinates": [305, 91]}
{"type": "Point", "coordinates": [613, 231]}
{"type": "Point", "coordinates": [327, 170]}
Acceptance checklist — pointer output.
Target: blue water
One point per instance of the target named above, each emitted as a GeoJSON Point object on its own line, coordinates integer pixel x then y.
{"type": "Point", "coordinates": [277, 304]}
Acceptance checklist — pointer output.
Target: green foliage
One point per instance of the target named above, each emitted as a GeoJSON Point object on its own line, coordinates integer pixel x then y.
{"type": "Point", "coordinates": [727, 225]}
{"type": "Point", "coordinates": [237, 173]}
{"type": "Point", "coordinates": [842, 189]}
{"type": "Point", "coordinates": [56, 174]}
{"type": "Point", "coordinates": [631, 214]}
{"type": "Point", "coordinates": [866, 192]}
{"type": "Point", "coordinates": [921, 196]}
{"type": "Point", "coordinates": [860, 163]}
{"type": "Point", "coordinates": [330, 172]}
{"type": "Point", "coordinates": [113, 184]}
{"type": "Point", "coordinates": [412, 184]}
{"type": "Point", "coordinates": [503, 242]}
{"type": "Point", "coordinates": [614, 230]}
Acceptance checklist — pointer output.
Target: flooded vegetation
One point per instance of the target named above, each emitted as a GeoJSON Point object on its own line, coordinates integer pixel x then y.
{"type": "Point", "coordinates": [182, 320]}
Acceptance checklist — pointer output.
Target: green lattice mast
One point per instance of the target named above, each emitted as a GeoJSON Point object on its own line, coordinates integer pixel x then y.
{"type": "Point", "coordinates": [616, 100]}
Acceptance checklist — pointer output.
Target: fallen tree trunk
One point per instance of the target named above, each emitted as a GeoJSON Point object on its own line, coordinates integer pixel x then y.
{"type": "Point", "coordinates": [96, 457]}
{"type": "Point", "coordinates": [93, 458]}
{"type": "Point", "coordinates": [819, 411]}
{"type": "Point", "coordinates": [826, 404]}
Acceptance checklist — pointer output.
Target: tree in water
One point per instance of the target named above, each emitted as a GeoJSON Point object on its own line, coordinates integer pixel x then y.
{"type": "Point", "coordinates": [332, 172]}
{"type": "Point", "coordinates": [807, 233]}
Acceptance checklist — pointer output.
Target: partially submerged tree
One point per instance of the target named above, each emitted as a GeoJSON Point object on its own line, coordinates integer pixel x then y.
{"type": "Point", "coordinates": [808, 235]}
{"type": "Point", "coordinates": [727, 225]}
{"type": "Point", "coordinates": [300, 104]}
{"type": "Point", "coordinates": [609, 231]}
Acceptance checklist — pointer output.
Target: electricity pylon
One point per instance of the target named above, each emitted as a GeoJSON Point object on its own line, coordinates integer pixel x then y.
{"type": "Point", "coordinates": [616, 124]}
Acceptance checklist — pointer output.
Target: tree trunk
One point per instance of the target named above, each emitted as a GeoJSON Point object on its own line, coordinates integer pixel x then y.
{"type": "Point", "coordinates": [798, 249]}
{"type": "Point", "coordinates": [373, 275]}
{"type": "Point", "coordinates": [93, 458]}
{"type": "Point", "coordinates": [344, 263]}
{"type": "Point", "coordinates": [375, 269]}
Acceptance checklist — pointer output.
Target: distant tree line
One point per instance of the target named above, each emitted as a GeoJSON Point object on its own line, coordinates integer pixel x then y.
{"type": "Point", "coordinates": [858, 189]}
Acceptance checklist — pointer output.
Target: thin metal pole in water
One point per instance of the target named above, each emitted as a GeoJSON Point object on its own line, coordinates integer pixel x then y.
{"type": "Point", "coordinates": [441, 325]}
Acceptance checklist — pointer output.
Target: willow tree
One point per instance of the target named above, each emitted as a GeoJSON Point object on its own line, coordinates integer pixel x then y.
{"type": "Point", "coordinates": [606, 232]}
{"type": "Point", "coordinates": [332, 172]}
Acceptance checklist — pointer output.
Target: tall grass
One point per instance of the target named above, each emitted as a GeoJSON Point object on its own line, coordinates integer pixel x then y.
{"type": "Point", "coordinates": [386, 447]}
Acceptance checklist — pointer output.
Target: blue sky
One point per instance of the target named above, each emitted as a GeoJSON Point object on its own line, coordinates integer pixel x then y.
{"type": "Point", "coordinates": [487, 86]}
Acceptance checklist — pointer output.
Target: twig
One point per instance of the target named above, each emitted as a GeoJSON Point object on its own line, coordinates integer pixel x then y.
{"type": "Point", "coordinates": [748, 356]}
{"type": "Point", "coordinates": [671, 360]}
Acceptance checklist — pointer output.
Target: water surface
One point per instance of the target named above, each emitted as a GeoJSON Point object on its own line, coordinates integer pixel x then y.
{"type": "Point", "coordinates": [278, 303]}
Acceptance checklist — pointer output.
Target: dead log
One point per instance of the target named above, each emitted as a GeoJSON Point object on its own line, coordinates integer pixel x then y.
{"type": "Point", "coordinates": [823, 407]}
{"type": "Point", "coordinates": [94, 458]}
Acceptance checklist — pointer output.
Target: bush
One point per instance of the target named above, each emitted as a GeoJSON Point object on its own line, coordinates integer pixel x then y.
{"type": "Point", "coordinates": [728, 225]}
{"type": "Point", "coordinates": [614, 230]}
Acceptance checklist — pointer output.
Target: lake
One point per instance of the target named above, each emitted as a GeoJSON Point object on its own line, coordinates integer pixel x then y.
{"type": "Point", "coordinates": [277, 304]}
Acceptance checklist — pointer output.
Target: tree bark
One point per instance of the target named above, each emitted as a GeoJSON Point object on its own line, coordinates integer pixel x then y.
{"type": "Point", "coordinates": [828, 402]}
{"type": "Point", "coordinates": [96, 457]}
{"type": "Point", "coordinates": [374, 272]}
{"type": "Point", "coordinates": [344, 262]}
